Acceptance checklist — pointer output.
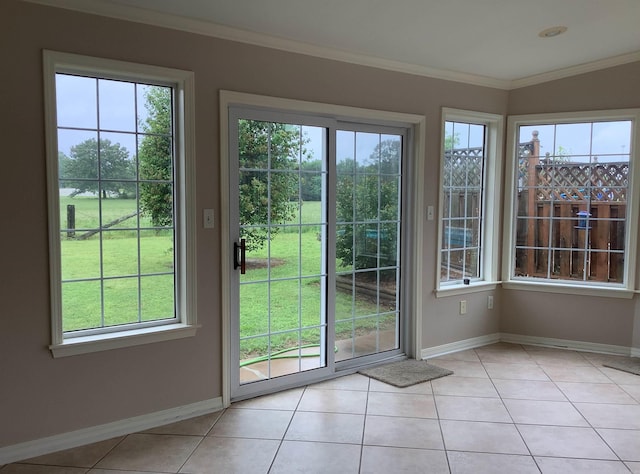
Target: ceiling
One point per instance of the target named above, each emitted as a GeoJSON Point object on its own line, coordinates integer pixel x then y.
{"type": "Point", "coordinates": [486, 42]}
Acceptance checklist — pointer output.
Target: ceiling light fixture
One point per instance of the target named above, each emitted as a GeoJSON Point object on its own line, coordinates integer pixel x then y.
{"type": "Point", "coordinates": [552, 32]}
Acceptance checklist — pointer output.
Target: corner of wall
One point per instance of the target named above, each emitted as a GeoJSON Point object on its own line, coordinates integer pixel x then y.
{"type": "Point", "coordinates": [635, 340]}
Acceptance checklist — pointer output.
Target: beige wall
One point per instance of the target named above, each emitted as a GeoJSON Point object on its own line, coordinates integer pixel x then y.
{"type": "Point", "coordinates": [40, 396]}
{"type": "Point", "coordinates": [590, 319]}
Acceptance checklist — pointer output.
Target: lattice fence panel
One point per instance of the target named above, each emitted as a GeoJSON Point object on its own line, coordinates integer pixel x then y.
{"type": "Point", "coordinates": [463, 167]}
{"type": "Point", "coordinates": [582, 181]}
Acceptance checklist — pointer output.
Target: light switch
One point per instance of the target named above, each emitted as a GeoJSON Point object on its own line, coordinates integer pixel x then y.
{"type": "Point", "coordinates": [208, 218]}
{"type": "Point", "coordinates": [429, 213]}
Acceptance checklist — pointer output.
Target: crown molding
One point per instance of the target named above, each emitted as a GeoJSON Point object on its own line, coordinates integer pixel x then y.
{"type": "Point", "coordinates": [576, 70]}
{"type": "Point", "coordinates": [207, 28]}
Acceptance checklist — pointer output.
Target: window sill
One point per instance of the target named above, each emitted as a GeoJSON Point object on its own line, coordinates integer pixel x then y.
{"type": "Point", "coordinates": [569, 289]}
{"type": "Point", "coordinates": [462, 289]}
{"type": "Point", "coordinates": [117, 340]}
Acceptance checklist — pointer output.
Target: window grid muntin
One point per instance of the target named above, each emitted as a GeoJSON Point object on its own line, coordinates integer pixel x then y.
{"type": "Point", "coordinates": [138, 135]}
{"type": "Point", "coordinates": [580, 190]}
{"type": "Point", "coordinates": [449, 191]}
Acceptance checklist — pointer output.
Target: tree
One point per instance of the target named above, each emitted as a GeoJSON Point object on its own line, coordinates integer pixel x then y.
{"type": "Point", "coordinates": [369, 194]}
{"type": "Point", "coordinates": [79, 170]}
{"type": "Point", "coordinates": [257, 141]}
{"type": "Point", "coordinates": [311, 180]}
{"type": "Point", "coordinates": [156, 158]}
{"type": "Point", "coordinates": [451, 141]}
{"type": "Point", "coordinates": [267, 197]}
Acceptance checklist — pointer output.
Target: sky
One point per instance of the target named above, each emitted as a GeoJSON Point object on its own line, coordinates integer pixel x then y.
{"type": "Point", "coordinates": [609, 141]}
{"type": "Point", "coordinates": [119, 106]}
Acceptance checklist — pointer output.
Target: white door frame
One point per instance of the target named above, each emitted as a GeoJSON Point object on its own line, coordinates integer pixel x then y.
{"type": "Point", "coordinates": [412, 254]}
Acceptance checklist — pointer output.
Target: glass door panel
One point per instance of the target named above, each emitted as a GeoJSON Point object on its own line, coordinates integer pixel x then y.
{"type": "Point", "coordinates": [282, 228]}
{"type": "Point", "coordinates": [368, 211]}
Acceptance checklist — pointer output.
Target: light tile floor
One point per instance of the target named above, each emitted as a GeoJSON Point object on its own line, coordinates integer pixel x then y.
{"type": "Point", "coordinates": [507, 409]}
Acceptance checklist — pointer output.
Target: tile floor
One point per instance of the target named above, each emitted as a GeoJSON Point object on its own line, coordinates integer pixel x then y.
{"type": "Point", "coordinates": [508, 409]}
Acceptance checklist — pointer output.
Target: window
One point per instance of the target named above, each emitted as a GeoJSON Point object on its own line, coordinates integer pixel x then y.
{"type": "Point", "coordinates": [572, 204]}
{"type": "Point", "coordinates": [119, 211]}
{"type": "Point", "coordinates": [469, 168]}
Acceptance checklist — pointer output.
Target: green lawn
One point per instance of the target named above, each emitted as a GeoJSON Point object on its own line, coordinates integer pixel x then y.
{"type": "Point", "coordinates": [295, 255]}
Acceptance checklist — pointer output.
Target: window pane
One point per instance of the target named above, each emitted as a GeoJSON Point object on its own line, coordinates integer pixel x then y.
{"type": "Point", "coordinates": [156, 251]}
{"type": "Point", "coordinates": [119, 253]}
{"type": "Point", "coordinates": [76, 101]}
{"type": "Point", "coordinates": [115, 165]}
{"type": "Point", "coordinates": [151, 100]}
{"type": "Point", "coordinates": [367, 152]}
{"type": "Point", "coordinates": [81, 305]}
{"type": "Point", "coordinates": [573, 185]}
{"type": "Point", "coordinates": [157, 297]}
{"type": "Point", "coordinates": [254, 320]}
{"type": "Point", "coordinates": [463, 181]}
{"type": "Point", "coordinates": [121, 301]}
{"type": "Point", "coordinates": [117, 105]}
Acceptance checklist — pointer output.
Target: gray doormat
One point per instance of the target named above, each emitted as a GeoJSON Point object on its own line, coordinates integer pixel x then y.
{"type": "Point", "coordinates": [631, 365]}
{"type": "Point", "coordinates": [406, 373]}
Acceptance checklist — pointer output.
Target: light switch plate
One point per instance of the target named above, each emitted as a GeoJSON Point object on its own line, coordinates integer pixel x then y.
{"type": "Point", "coordinates": [208, 219]}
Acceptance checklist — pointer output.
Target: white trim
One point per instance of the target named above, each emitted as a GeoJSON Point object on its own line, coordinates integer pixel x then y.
{"type": "Point", "coordinates": [581, 346]}
{"type": "Point", "coordinates": [117, 340]}
{"type": "Point", "coordinates": [465, 344]}
{"type": "Point", "coordinates": [225, 242]}
{"type": "Point", "coordinates": [417, 230]}
{"type": "Point", "coordinates": [473, 287]}
{"type": "Point", "coordinates": [625, 290]}
{"type": "Point", "coordinates": [94, 434]}
{"type": "Point", "coordinates": [338, 112]}
{"type": "Point", "coordinates": [206, 28]}
{"type": "Point", "coordinates": [567, 288]}
{"type": "Point", "coordinates": [183, 85]}
{"type": "Point", "coordinates": [575, 70]}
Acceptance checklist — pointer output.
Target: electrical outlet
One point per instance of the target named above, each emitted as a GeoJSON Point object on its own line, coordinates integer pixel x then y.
{"type": "Point", "coordinates": [490, 302]}
{"type": "Point", "coordinates": [463, 306]}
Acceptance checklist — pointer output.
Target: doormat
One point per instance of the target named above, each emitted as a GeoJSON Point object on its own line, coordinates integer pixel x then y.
{"type": "Point", "coordinates": [631, 365]}
{"type": "Point", "coordinates": [406, 373]}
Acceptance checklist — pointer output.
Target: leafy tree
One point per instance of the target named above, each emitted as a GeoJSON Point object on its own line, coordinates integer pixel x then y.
{"type": "Point", "coordinates": [79, 170]}
{"type": "Point", "coordinates": [311, 180]}
{"type": "Point", "coordinates": [256, 140]}
{"type": "Point", "coordinates": [451, 141]}
{"type": "Point", "coordinates": [267, 197]}
{"type": "Point", "coordinates": [369, 193]}
{"type": "Point", "coordinates": [156, 158]}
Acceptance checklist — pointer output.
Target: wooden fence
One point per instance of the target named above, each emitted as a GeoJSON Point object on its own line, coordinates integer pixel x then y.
{"type": "Point", "coordinates": [571, 217]}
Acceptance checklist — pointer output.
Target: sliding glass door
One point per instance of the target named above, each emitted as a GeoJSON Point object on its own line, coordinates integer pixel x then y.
{"type": "Point", "coordinates": [315, 224]}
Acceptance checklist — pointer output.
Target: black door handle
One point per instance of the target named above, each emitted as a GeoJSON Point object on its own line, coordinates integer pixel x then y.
{"type": "Point", "coordinates": [242, 263]}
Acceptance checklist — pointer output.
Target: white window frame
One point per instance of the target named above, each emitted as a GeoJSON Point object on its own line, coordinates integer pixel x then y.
{"type": "Point", "coordinates": [185, 269]}
{"type": "Point", "coordinates": [491, 205]}
{"type": "Point", "coordinates": [624, 290]}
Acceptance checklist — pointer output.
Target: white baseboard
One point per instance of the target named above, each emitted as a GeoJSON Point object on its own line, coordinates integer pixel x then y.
{"type": "Point", "coordinates": [38, 447]}
{"type": "Point", "coordinates": [459, 346]}
{"type": "Point", "coordinates": [480, 341]}
{"type": "Point", "coordinates": [566, 344]}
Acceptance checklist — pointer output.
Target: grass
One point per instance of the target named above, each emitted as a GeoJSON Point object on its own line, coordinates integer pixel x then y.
{"type": "Point", "coordinates": [294, 268]}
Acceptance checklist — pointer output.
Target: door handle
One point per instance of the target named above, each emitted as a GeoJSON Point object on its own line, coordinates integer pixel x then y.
{"type": "Point", "coordinates": [242, 263]}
